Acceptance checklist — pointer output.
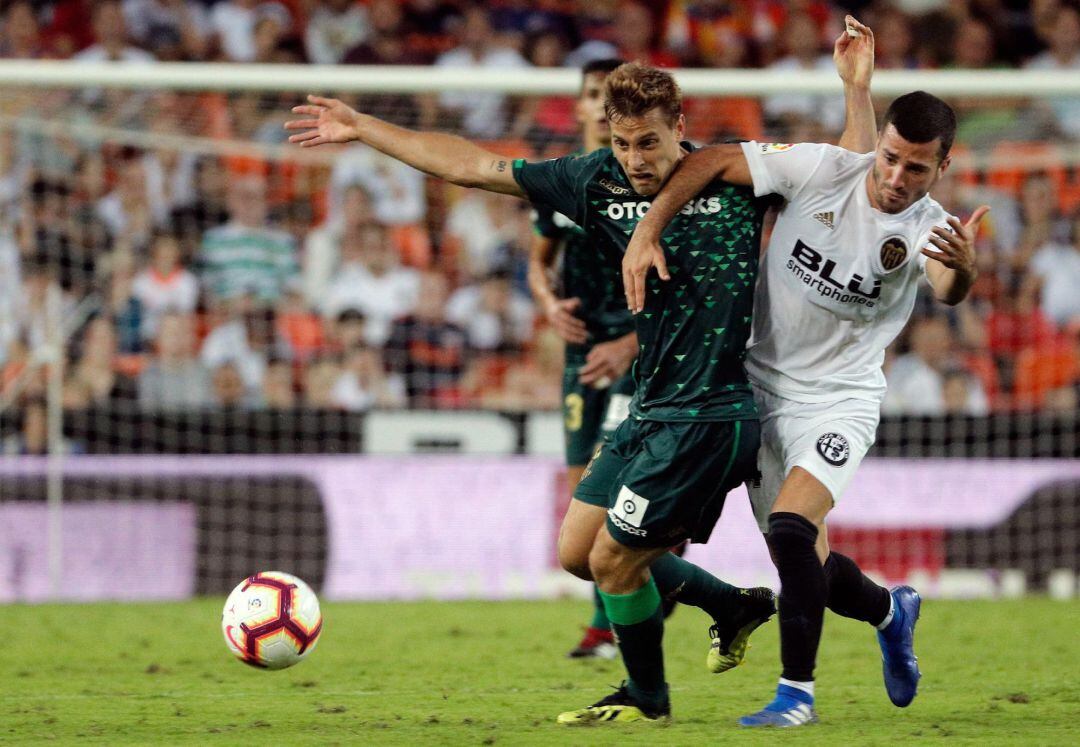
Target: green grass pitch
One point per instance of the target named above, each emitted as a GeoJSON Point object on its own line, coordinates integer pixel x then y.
{"type": "Point", "coordinates": [493, 673]}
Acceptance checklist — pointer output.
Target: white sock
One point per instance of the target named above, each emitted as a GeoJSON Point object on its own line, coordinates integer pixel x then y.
{"type": "Point", "coordinates": [888, 618]}
{"type": "Point", "coordinates": [806, 687]}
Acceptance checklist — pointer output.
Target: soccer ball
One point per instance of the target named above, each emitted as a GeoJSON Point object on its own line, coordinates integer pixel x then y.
{"type": "Point", "coordinates": [271, 620]}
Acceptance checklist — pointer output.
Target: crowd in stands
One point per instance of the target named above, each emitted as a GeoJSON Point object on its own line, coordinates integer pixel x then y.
{"type": "Point", "coordinates": [197, 279]}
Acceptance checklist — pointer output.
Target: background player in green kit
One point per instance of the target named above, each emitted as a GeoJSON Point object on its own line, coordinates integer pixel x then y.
{"type": "Point", "coordinates": [585, 307]}
{"type": "Point", "coordinates": [692, 434]}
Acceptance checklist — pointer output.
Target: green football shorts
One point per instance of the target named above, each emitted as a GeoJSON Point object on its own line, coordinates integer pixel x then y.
{"type": "Point", "coordinates": [666, 482]}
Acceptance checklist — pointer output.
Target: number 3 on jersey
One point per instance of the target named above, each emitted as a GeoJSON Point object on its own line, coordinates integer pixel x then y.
{"type": "Point", "coordinates": [573, 408]}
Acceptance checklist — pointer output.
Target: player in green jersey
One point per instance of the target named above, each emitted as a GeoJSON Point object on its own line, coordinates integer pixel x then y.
{"type": "Point", "coordinates": [693, 431]}
{"type": "Point", "coordinates": [584, 306]}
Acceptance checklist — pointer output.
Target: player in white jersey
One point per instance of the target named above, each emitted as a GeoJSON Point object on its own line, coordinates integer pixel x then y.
{"type": "Point", "coordinates": [840, 276]}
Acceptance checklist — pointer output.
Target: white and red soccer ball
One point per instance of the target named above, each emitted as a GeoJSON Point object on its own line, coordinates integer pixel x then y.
{"type": "Point", "coordinates": [271, 620]}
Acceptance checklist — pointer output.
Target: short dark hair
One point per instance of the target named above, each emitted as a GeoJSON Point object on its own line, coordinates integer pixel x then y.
{"type": "Point", "coordinates": [920, 117]}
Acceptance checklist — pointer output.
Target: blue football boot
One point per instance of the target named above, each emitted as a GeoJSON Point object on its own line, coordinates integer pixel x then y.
{"type": "Point", "coordinates": [897, 641]}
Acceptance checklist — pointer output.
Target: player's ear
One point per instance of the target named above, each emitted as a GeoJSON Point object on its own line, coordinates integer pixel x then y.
{"type": "Point", "coordinates": [944, 166]}
{"type": "Point", "coordinates": [680, 127]}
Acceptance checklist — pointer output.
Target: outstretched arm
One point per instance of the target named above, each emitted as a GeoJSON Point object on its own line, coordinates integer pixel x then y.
{"type": "Point", "coordinates": [853, 54]}
{"type": "Point", "coordinates": [446, 156]}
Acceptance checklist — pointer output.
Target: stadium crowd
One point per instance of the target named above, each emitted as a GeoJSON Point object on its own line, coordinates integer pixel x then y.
{"type": "Point", "coordinates": [199, 277]}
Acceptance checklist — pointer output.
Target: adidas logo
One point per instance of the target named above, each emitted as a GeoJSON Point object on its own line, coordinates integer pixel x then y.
{"type": "Point", "coordinates": [826, 219]}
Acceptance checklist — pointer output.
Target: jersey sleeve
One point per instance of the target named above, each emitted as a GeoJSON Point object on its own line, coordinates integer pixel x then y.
{"type": "Point", "coordinates": [558, 183]}
{"type": "Point", "coordinates": [543, 218]}
{"type": "Point", "coordinates": [781, 168]}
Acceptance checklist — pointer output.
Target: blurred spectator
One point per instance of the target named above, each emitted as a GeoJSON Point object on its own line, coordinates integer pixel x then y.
{"type": "Point", "coordinates": [1063, 40]}
{"type": "Point", "coordinates": [245, 256]}
{"type": "Point", "coordinates": [1038, 216]}
{"type": "Point", "coordinates": [124, 307]}
{"type": "Point", "coordinates": [532, 382]}
{"type": "Point", "coordinates": [322, 255]}
{"type": "Point", "coordinates": [482, 114]}
{"type": "Point", "coordinates": [802, 42]}
{"type": "Point", "coordinates": [594, 21]}
{"type": "Point", "coordinates": [210, 210]}
{"type": "Point", "coordinates": [396, 190]}
{"type": "Point", "coordinates": [46, 236]}
{"type": "Point", "coordinates": [278, 392]}
{"type": "Point", "coordinates": [33, 436]}
{"type": "Point", "coordinates": [132, 210]}
{"type": "Point", "coordinates": [962, 394]}
{"type": "Point", "coordinates": [635, 36]}
{"type": "Point", "coordinates": [387, 43]}
{"type": "Point", "coordinates": [230, 392]}
{"type": "Point", "coordinates": [20, 34]}
{"type": "Point", "coordinates": [10, 290]}
{"type": "Point", "coordinates": [320, 377]}
{"type": "Point", "coordinates": [111, 37]}
{"type": "Point", "coordinates": [715, 33]}
{"type": "Point", "coordinates": [350, 329]}
{"type": "Point", "coordinates": [172, 29]}
{"type": "Point", "coordinates": [174, 379]}
{"type": "Point", "coordinates": [364, 383]}
{"type": "Point", "coordinates": [429, 351]}
{"type": "Point", "coordinates": [95, 370]}
{"type": "Point", "coordinates": [479, 228]}
{"type": "Point", "coordinates": [234, 22]}
{"type": "Point", "coordinates": [495, 317]}
{"type": "Point", "coordinates": [1055, 270]}
{"type": "Point", "coordinates": [894, 42]}
{"type": "Point", "coordinates": [917, 380]}
{"type": "Point", "coordinates": [371, 279]}
{"type": "Point", "coordinates": [335, 27]}
{"type": "Point", "coordinates": [246, 339]}
{"type": "Point", "coordinates": [165, 285]}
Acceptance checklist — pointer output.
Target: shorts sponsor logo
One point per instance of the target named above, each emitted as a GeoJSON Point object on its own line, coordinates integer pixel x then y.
{"type": "Point", "coordinates": [893, 253]}
{"type": "Point", "coordinates": [630, 507]}
{"type": "Point", "coordinates": [834, 449]}
{"type": "Point", "coordinates": [624, 526]}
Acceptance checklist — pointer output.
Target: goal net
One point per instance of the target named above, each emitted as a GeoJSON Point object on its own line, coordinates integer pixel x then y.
{"type": "Point", "coordinates": [199, 324]}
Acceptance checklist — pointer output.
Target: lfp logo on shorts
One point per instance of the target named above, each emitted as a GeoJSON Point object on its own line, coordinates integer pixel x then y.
{"type": "Point", "coordinates": [833, 448]}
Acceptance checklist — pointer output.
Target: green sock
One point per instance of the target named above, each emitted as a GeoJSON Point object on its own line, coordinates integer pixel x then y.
{"type": "Point", "coordinates": [687, 583]}
{"type": "Point", "coordinates": [638, 622]}
{"type": "Point", "coordinates": [599, 618]}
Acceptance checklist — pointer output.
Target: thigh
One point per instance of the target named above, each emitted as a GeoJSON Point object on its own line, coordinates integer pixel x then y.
{"type": "Point", "coordinates": [674, 487]}
{"type": "Point", "coordinates": [828, 440]}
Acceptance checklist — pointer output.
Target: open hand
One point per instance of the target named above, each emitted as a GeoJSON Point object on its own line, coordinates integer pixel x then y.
{"type": "Point", "coordinates": [956, 248]}
{"type": "Point", "coordinates": [334, 122]}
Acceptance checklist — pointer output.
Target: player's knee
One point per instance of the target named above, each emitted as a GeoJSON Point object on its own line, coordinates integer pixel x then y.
{"type": "Point", "coordinates": [574, 558]}
{"type": "Point", "coordinates": [604, 563]}
{"type": "Point", "coordinates": [790, 532]}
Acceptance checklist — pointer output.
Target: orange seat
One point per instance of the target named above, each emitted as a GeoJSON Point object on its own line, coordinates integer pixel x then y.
{"type": "Point", "coordinates": [1012, 163]}
{"type": "Point", "coordinates": [1040, 370]}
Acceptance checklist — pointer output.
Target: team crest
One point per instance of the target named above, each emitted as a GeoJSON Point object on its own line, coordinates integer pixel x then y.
{"type": "Point", "coordinates": [893, 253]}
{"type": "Point", "coordinates": [834, 449]}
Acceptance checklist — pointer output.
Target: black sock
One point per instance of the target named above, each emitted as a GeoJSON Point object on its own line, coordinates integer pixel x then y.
{"type": "Point", "coordinates": [803, 591]}
{"type": "Point", "coordinates": [681, 581]}
{"type": "Point", "coordinates": [852, 594]}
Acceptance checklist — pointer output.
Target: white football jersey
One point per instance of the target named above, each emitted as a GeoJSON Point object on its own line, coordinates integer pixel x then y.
{"type": "Point", "coordinates": [839, 278]}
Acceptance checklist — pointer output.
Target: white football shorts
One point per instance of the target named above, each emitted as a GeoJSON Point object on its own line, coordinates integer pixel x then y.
{"type": "Point", "coordinates": [827, 439]}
